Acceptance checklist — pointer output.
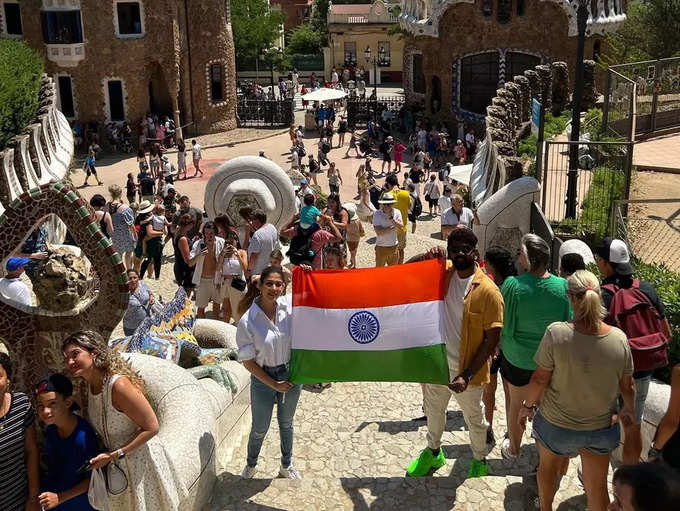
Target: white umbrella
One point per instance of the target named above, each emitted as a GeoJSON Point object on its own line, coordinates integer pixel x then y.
{"type": "Point", "coordinates": [324, 94]}
{"type": "Point", "coordinates": [461, 173]}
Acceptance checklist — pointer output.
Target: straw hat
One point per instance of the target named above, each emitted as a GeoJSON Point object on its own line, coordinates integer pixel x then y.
{"type": "Point", "coordinates": [352, 210]}
{"type": "Point", "coordinates": [145, 207]}
{"type": "Point", "coordinates": [388, 198]}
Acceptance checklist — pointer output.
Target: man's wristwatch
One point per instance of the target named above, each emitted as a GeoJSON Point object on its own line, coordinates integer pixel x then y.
{"type": "Point", "coordinates": [532, 407]}
{"type": "Point", "coordinates": [654, 452]}
{"type": "Point", "coordinates": [467, 375]}
{"type": "Point", "coordinates": [120, 454]}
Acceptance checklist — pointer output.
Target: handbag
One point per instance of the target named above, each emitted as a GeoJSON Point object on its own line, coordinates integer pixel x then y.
{"type": "Point", "coordinates": [238, 283]}
{"type": "Point", "coordinates": [114, 476]}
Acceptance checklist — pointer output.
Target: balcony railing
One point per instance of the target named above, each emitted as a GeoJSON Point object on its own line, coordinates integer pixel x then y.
{"type": "Point", "coordinates": [353, 19]}
{"type": "Point", "coordinates": [66, 55]}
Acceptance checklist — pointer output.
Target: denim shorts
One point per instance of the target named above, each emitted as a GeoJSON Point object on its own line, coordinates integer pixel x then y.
{"type": "Point", "coordinates": [641, 391]}
{"type": "Point", "coordinates": [568, 442]}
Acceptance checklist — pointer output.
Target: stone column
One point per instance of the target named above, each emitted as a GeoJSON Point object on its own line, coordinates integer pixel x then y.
{"type": "Point", "coordinates": [560, 87]}
{"type": "Point", "coordinates": [522, 83]}
{"type": "Point", "coordinates": [511, 108]}
{"type": "Point", "coordinates": [534, 84]}
{"type": "Point", "coordinates": [513, 89]}
{"type": "Point", "coordinates": [589, 88]}
{"type": "Point", "coordinates": [545, 83]}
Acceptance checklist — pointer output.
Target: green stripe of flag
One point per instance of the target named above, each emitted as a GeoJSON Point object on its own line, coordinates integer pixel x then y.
{"type": "Point", "coordinates": [426, 364]}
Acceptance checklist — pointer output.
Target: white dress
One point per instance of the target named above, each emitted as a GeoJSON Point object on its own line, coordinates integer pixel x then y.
{"type": "Point", "coordinates": [153, 481]}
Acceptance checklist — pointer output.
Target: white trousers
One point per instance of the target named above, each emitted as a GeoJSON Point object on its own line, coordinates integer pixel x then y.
{"type": "Point", "coordinates": [435, 401]}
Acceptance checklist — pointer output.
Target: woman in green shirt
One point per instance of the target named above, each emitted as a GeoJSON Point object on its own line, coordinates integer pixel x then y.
{"type": "Point", "coordinates": [533, 301]}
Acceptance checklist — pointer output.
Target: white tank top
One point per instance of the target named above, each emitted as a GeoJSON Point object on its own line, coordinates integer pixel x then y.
{"type": "Point", "coordinates": [232, 268]}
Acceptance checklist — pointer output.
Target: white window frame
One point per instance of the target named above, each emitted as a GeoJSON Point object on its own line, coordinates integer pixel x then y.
{"type": "Point", "coordinates": [223, 64]}
{"type": "Point", "coordinates": [3, 28]}
{"type": "Point", "coordinates": [107, 99]}
{"type": "Point", "coordinates": [73, 95]}
{"type": "Point", "coordinates": [116, 26]}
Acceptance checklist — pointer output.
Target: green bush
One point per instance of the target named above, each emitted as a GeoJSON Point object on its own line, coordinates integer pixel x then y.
{"type": "Point", "coordinates": [667, 285]}
{"type": "Point", "coordinates": [551, 127]}
{"type": "Point", "coordinates": [21, 69]}
{"type": "Point", "coordinates": [321, 197]}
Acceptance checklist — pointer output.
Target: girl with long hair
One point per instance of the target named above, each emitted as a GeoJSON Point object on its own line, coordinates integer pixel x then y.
{"type": "Point", "coordinates": [123, 417]}
{"type": "Point", "coordinates": [264, 341]}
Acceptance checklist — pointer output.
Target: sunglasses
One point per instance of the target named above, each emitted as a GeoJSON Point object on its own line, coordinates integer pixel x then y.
{"type": "Point", "coordinates": [461, 249]}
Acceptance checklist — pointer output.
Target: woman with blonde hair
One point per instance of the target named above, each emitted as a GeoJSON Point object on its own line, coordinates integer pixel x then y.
{"type": "Point", "coordinates": [124, 235]}
{"type": "Point", "coordinates": [124, 419]}
{"type": "Point", "coordinates": [582, 367]}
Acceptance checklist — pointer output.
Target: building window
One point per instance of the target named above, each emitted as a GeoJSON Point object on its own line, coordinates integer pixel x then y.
{"type": "Point", "coordinates": [66, 96]}
{"type": "Point", "coordinates": [517, 62]}
{"type": "Point", "coordinates": [129, 19]}
{"type": "Point", "coordinates": [384, 49]}
{"type": "Point", "coordinates": [504, 10]}
{"type": "Point", "coordinates": [478, 81]}
{"type": "Point", "coordinates": [12, 17]}
{"type": "Point", "coordinates": [216, 83]}
{"type": "Point", "coordinates": [418, 74]}
{"type": "Point", "coordinates": [116, 101]}
{"type": "Point", "coordinates": [350, 53]}
{"type": "Point", "coordinates": [487, 9]}
{"type": "Point", "coordinates": [520, 7]}
{"type": "Point", "coordinates": [62, 27]}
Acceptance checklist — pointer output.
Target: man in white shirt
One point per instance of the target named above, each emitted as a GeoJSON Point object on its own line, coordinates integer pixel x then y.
{"type": "Point", "coordinates": [11, 286]}
{"type": "Point", "coordinates": [263, 241]}
{"type": "Point", "coordinates": [444, 201]}
{"type": "Point", "coordinates": [204, 256]}
{"type": "Point", "coordinates": [455, 215]}
{"type": "Point", "coordinates": [387, 221]}
{"type": "Point", "coordinates": [197, 156]}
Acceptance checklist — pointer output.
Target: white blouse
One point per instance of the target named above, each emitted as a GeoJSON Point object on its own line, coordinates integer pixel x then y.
{"type": "Point", "coordinates": [257, 337]}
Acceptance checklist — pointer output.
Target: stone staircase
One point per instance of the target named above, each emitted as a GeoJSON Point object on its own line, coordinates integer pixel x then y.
{"type": "Point", "coordinates": [352, 444]}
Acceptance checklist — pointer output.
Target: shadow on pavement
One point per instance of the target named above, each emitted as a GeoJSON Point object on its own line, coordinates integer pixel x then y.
{"type": "Point", "coordinates": [454, 422]}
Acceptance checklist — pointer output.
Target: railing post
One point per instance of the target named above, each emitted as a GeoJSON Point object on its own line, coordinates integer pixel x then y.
{"type": "Point", "coordinates": [605, 109]}
{"type": "Point", "coordinates": [629, 171]}
{"type": "Point", "coordinates": [544, 171]}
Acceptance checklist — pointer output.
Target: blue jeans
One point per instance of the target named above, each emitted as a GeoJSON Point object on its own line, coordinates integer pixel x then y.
{"type": "Point", "coordinates": [568, 442]}
{"type": "Point", "coordinates": [262, 399]}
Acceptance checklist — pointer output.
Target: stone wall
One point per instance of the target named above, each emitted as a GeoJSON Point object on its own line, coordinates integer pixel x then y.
{"type": "Point", "coordinates": [161, 55]}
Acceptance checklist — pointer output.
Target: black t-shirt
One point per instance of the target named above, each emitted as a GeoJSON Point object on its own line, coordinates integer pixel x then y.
{"type": "Point", "coordinates": [130, 188]}
{"type": "Point", "coordinates": [146, 185]}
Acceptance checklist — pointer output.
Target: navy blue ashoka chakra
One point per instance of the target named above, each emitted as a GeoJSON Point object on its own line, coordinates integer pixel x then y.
{"type": "Point", "coordinates": [363, 327]}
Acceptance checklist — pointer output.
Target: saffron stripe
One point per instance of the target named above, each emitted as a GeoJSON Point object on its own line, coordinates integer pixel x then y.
{"type": "Point", "coordinates": [427, 364]}
{"type": "Point", "coordinates": [369, 287]}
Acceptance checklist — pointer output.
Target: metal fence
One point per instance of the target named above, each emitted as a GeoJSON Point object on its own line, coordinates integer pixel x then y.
{"type": "Point", "coordinates": [360, 110]}
{"type": "Point", "coordinates": [657, 93]}
{"type": "Point", "coordinates": [265, 113]}
{"type": "Point", "coordinates": [603, 176]}
{"type": "Point", "coordinates": [618, 115]}
{"type": "Point", "coordinates": [651, 229]}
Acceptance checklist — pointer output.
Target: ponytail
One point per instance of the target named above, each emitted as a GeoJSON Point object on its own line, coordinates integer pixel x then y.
{"type": "Point", "coordinates": [586, 299]}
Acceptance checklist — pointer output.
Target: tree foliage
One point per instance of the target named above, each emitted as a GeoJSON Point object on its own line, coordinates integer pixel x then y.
{"type": "Point", "coordinates": [651, 31]}
{"type": "Point", "coordinates": [304, 40]}
{"type": "Point", "coordinates": [320, 18]}
{"type": "Point", "coordinates": [255, 26]}
{"type": "Point", "coordinates": [21, 69]}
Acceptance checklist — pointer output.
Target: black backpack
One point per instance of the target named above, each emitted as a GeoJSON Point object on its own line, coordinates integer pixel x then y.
{"type": "Point", "coordinates": [301, 151]}
{"type": "Point", "coordinates": [417, 206]}
{"type": "Point", "coordinates": [301, 249]}
{"type": "Point", "coordinates": [325, 148]}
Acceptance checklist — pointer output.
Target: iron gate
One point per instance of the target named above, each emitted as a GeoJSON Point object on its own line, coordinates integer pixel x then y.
{"type": "Point", "coordinates": [360, 110]}
{"type": "Point", "coordinates": [265, 113]}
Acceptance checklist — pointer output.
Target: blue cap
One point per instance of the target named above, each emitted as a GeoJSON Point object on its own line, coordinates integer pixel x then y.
{"type": "Point", "coordinates": [303, 181]}
{"type": "Point", "coordinates": [14, 263]}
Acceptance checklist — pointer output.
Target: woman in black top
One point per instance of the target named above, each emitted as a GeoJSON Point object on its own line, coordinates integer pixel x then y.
{"type": "Point", "coordinates": [19, 455]}
{"type": "Point", "coordinates": [130, 188]}
{"type": "Point", "coordinates": [98, 203]}
{"type": "Point", "coordinates": [184, 273]}
{"type": "Point", "coordinates": [342, 129]}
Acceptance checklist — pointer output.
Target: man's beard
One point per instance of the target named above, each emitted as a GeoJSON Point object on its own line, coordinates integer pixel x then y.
{"type": "Point", "coordinates": [462, 263]}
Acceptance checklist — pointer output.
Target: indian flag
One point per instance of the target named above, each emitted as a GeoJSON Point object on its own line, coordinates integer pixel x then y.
{"type": "Point", "coordinates": [373, 324]}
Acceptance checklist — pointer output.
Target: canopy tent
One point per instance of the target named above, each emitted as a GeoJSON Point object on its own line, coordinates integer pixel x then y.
{"type": "Point", "coordinates": [324, 94]}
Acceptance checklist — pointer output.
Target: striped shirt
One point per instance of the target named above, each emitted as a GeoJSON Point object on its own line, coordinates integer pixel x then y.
{"type": "Point", "coordinates": [13, 477]}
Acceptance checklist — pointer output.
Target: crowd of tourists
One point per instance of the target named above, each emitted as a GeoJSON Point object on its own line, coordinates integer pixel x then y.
{"type": "Point", "coordinates": [575, 354]}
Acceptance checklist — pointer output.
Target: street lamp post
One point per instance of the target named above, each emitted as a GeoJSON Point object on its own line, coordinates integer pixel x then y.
{"type": "Point", "coordinates": [572, 174]}
{"type": "Point", "coordinates": [374, 60]}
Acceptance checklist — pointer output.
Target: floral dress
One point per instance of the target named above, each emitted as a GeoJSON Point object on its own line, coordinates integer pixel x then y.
{"type": "Point", "coordinates": [122, 237]}
{"type": "Point", "coordinates": [154, 483]}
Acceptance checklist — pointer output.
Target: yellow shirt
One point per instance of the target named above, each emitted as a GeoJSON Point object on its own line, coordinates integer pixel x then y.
{"type": "Point", "coordinates": [483, 310]}
{"type": "Point", "coordinates": [403, 204]}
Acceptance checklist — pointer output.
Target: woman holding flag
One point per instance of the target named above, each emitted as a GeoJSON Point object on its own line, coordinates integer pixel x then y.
{"type": "Point", "coordinates": [263, 336]}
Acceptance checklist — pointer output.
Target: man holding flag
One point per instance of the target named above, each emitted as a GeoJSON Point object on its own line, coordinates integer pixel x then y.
{"type": "Point", "coordinates": [472, 323]}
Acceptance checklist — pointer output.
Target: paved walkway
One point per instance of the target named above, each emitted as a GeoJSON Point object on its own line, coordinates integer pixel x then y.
{"type": "Point", "coordinates": [661, 154]}
{"type": "Point", "coordinates": [352, 444]}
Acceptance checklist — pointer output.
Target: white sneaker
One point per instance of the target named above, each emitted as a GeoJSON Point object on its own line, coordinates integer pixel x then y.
{"type": "Point", "coordinates": [505, 450]}
{"type": "Point", "coordinates": [248, 472]}
{"type": "Point", "coordinates": [289, 472]}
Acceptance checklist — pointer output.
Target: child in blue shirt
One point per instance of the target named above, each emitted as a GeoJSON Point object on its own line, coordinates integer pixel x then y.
{"type": "Point", "coordinates": [70, 442]}
{"type": "Point", "coordinates": [308, 215]}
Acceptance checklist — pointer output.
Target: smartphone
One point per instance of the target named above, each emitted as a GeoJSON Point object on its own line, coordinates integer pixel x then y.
{"type": "Point", "coordinates": [202, 245]}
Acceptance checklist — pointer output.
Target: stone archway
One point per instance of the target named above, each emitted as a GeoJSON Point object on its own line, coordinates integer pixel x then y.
{"type": "Point", "coordinates": [160, 98]}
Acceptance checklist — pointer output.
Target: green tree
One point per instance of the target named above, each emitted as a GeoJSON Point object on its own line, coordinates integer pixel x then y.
{"type": "Point", "coordinates": [320, 18]}
{"type": "Point", "coordinates": [304, 40]}
{"type": "Point", "coordinates": [651, 31]}
{"type": "Point", "coordinates": [255, 26]}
